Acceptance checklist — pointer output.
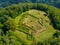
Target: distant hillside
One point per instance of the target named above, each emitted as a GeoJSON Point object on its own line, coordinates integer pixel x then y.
{"type": "Point", "coordinates": [4, 3]}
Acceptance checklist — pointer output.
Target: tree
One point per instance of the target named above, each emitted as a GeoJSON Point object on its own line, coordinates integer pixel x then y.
{"type": "Point", "coordinates": [11, 24]}
{"type": "Point", "coordinates": [56, 34]}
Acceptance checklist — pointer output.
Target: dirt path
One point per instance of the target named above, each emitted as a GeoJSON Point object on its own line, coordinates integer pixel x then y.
{"type": "Point", "coordinates": [41, 30]}
{"type": "Point", "coordinates": [36, 32]}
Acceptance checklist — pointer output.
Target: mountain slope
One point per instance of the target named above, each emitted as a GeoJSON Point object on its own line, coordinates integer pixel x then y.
{"type": "Point", "coordinates": [28, 24]}
{"type": "Point", "coordinates": [4, 3]}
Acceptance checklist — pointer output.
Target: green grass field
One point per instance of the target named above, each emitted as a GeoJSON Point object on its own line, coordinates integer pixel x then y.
{"type": "Point", "coordinates": [32, 21]}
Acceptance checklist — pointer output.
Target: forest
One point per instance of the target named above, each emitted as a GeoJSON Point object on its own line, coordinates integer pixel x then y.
{"type": "Point", "coordinates": [15, 30]}
{"type": "Point", "coordinates": [4, 3]}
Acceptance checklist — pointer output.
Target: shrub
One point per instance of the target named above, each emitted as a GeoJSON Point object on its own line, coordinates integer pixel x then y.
{"type": "Point", "coordinates": [11, 24]}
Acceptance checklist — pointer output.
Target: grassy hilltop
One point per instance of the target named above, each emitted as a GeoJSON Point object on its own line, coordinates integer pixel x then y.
{"type": "Point", "coordinates": [37, 22]}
